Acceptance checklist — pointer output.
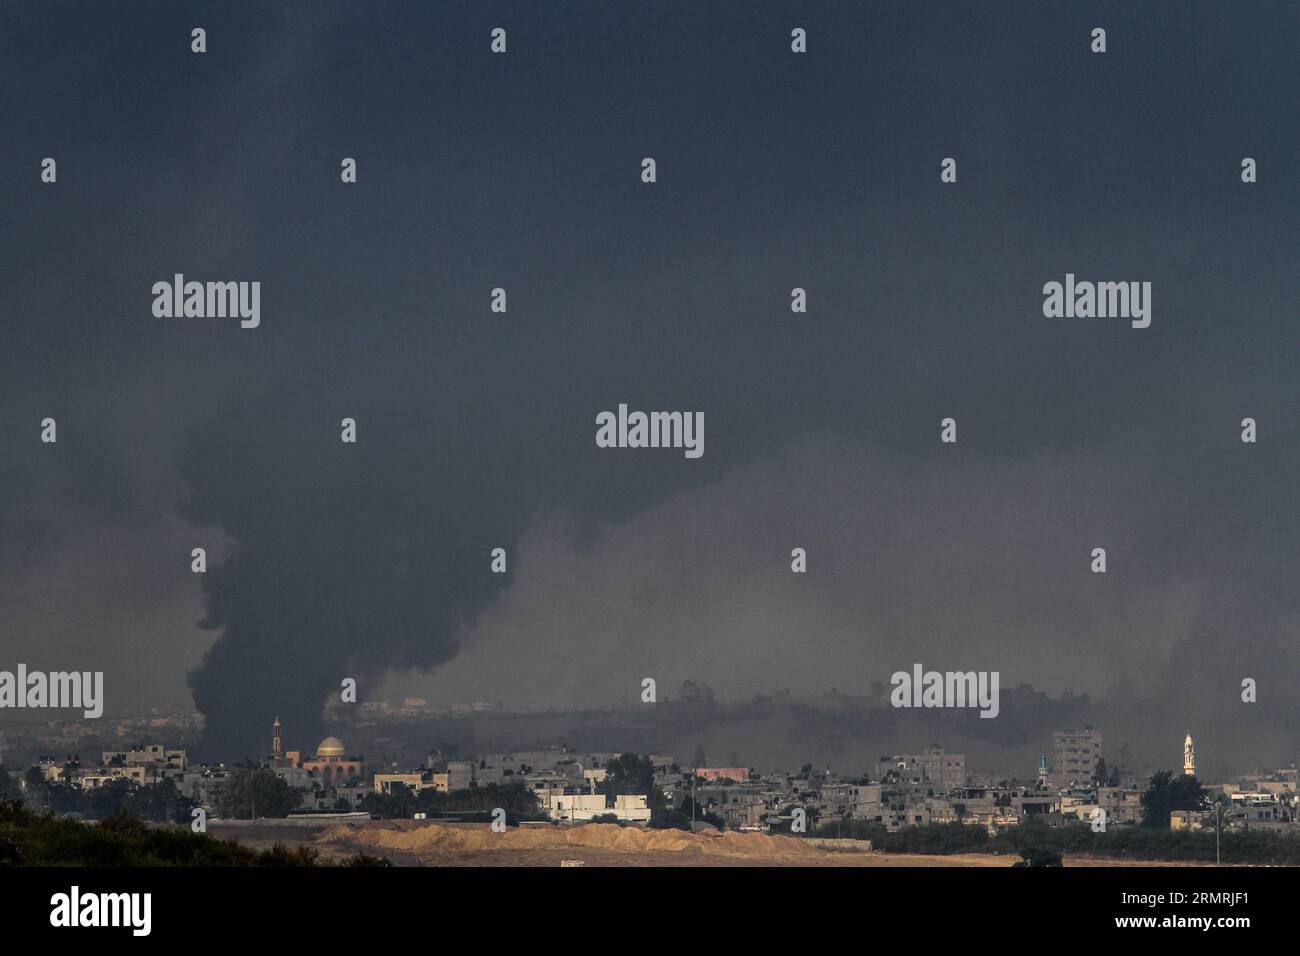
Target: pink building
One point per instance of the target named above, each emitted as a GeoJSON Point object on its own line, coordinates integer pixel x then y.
{"type": "Point", "coordinates": [712, 774]}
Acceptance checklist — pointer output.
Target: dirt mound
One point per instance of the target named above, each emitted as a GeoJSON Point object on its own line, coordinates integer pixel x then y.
{"type": "Point", "coordinates": [435, 839]}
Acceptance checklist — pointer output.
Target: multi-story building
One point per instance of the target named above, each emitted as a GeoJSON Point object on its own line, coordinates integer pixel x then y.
{"type": "Point", "coordinates": [934, 766]}
{"type": "Point", "coordinates": [856, 799]}
{"type": "Point", "coordinates": [155, 754]}
{"type": "Point", "coordinates": [1075, 754]}
{"type": "Point", "coordinates": [1123, 805]}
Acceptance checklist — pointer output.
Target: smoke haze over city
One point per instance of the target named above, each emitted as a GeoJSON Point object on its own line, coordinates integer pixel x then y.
{"type": "Point", "coordinates": [475, 430]}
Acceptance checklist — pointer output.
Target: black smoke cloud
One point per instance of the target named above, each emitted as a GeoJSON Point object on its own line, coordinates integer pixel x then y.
{"type": "Point", "coordinates": [522, 171]}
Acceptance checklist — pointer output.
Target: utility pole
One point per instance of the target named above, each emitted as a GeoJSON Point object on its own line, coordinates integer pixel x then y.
{"type": "Point", "coordinates": [1218, 829]}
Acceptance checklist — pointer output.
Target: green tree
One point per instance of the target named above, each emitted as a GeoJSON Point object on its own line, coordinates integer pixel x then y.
{"type": "Point", "coordinates": [628, 774]}
{"type": "Point", "coordinates": [163, 803]}
{"type": "Point", "coordinates": [33, 839]}
{"type": "Point", "coordinates": [1167, 793]}
{"type": "Point", "coordinates": [631, 774]}
{"type": "Point", "coordinates": [1039, 856]}
{"type": "Point", "coordinates": [261, 792]}
{"type": "Point", "coordinates": [37, 786]}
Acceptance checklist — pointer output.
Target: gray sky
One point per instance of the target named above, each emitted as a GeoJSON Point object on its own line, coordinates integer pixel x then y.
{"type": "Point", "coordinates": [822, 430]}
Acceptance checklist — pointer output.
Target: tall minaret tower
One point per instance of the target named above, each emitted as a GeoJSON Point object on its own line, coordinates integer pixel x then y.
{"type": "Point", "coordinates": [1189, 757]}
{"type": "Point", "coordinates": [1042, 771]}
{"type": "Point", "coordinates": [277, 751]}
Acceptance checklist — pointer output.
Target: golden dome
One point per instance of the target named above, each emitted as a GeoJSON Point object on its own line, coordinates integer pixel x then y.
{"type": "Point", "coordinates": [330, 747]}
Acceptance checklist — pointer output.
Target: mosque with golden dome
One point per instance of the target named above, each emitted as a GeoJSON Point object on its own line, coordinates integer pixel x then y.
{"type": "Point", "coordinates": [331, 762]}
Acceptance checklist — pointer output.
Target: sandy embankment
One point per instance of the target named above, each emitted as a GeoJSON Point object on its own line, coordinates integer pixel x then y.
{"type": "Point", "coordinates": [599, 844]}
{"type": "Point", "coordinates": [421, 843]}
{"type": "Point", "coordinates": [442, 838]}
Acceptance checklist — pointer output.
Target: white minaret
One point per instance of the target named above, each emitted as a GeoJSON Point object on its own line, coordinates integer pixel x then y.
{"type": "Point", "coordinates": [1189, 757]}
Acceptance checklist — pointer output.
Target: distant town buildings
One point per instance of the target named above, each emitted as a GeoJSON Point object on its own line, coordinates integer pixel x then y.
{"type": "Point", "coordinates": [933, 785]}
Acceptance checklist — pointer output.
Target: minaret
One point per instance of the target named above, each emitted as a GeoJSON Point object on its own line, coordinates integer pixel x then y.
{"type": "Point", "coordinates": [1189, 757]}
{"type": "Point", "coordinates": [1042, 771]}
{"type": "Point", "coordinates": [277, 752]}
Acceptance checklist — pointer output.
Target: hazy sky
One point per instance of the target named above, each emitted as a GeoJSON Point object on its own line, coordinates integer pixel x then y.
{"type": "Point", "coordinates": [476, 430]}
